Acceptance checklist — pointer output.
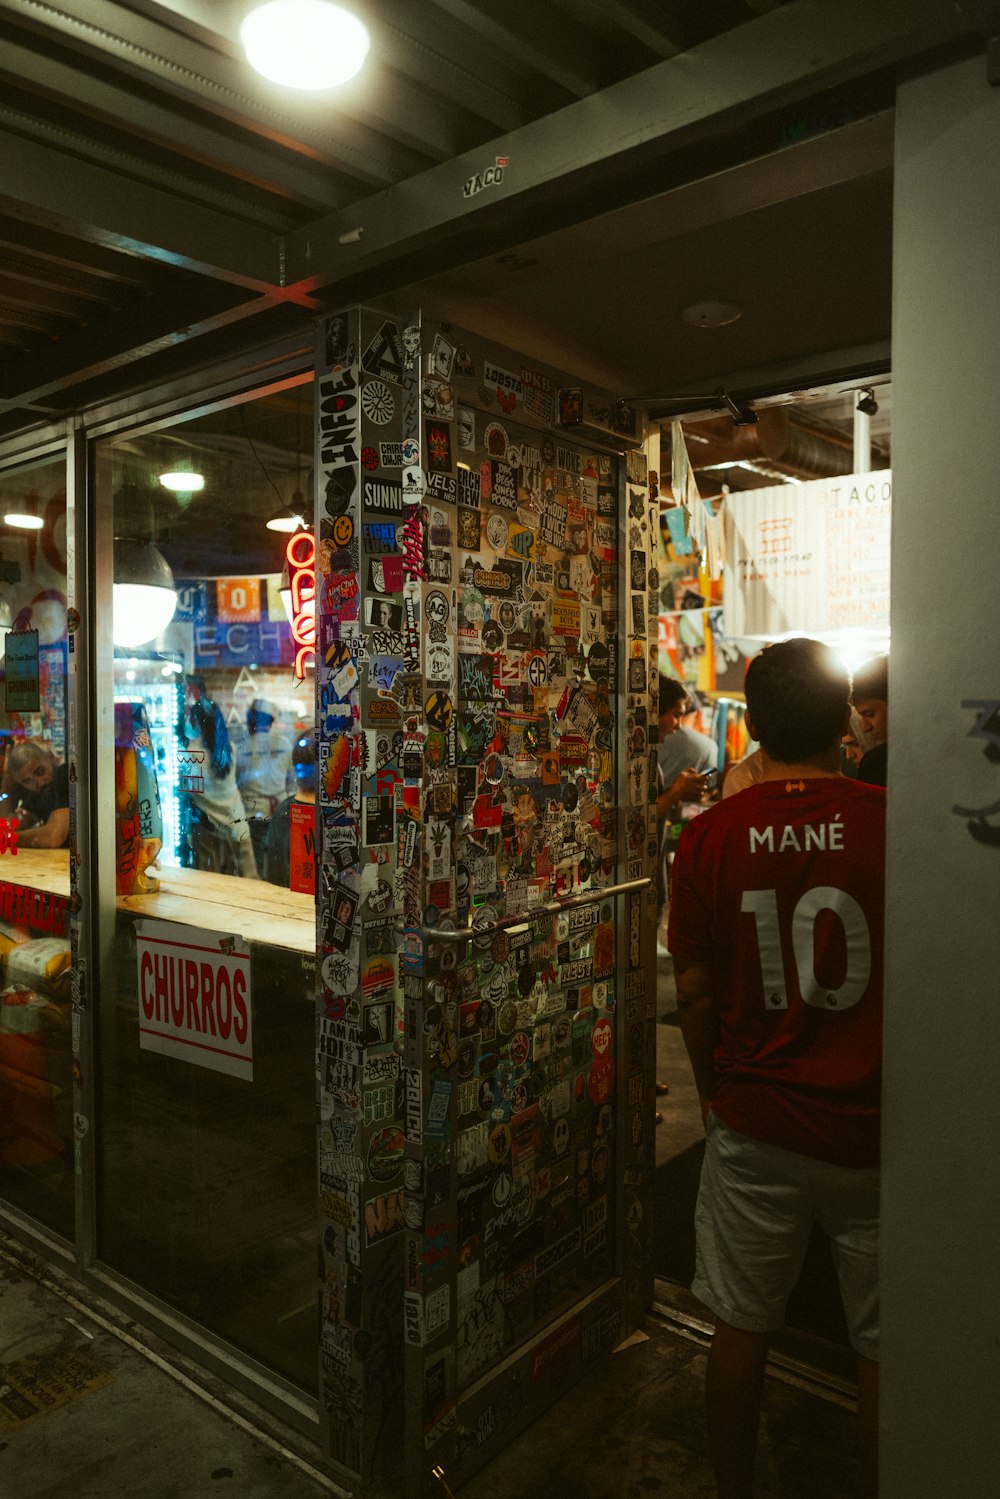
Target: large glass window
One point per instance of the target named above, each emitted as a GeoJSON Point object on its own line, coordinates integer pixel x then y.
{"type": "Point", "coordinates": [36, 1106]}
{"type": "Point", "coordinates": [207, 1188]}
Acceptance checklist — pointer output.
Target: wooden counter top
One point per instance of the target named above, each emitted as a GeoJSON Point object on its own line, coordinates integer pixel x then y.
{"type": "Point", "coordinates": [252, 909]}
{"type": "Point", "coordinates": [37, 869]}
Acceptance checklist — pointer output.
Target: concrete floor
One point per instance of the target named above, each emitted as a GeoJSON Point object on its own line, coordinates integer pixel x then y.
{"type": "Point", "coordinates": [83, 1411]}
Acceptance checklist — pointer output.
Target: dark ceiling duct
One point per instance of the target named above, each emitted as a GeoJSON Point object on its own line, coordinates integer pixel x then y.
{"type": "Point", "coordinates": [779, 443]}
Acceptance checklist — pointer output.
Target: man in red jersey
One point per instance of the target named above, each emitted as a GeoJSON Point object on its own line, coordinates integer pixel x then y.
{"type": "Point", "coordinates": [776, 930]}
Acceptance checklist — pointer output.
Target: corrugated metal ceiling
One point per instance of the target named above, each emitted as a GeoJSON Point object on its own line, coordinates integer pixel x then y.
{"type": "Point", "coordinates": [154, 191]}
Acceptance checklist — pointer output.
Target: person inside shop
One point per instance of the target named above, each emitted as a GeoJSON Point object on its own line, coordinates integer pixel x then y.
{"type": "Point", "coordinates": [785, 1050]}
{"type": "Point", "coordinates": [35, 792]}
{"type": "Point", "coordinates": [214, 822]}
{"type": "Point", "coordinates": [688, 783]}
{"type": "Point", "coordinates": [278, 846]}
{"type": "Point", "coordinates": [263, 770]}
{"type": "Point", "coordinates": [687, 748]}
{"type": "Point", "coordinates": [870, 695]}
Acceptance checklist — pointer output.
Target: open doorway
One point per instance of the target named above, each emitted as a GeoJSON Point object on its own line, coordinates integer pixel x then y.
{"type": "Point", "coordinates": [809, 443]}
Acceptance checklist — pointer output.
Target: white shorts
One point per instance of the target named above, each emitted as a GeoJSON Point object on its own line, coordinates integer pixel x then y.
{"type": "Point", "coordinates": [756, 1208]}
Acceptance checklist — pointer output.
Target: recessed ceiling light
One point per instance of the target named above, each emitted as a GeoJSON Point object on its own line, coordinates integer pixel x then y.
{"type": "Point", "coordinates": [711, 314]}
{"type": "Point", "coordinates": [306, 44]}
{"type": "Point", "coordinates": [26, 522]}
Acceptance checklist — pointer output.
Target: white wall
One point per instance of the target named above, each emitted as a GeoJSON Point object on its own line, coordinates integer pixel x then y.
{"type": "Point", "coordinates": [941, 1203]}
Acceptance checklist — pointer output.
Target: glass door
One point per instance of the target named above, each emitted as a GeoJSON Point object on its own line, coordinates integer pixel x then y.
{"type": "Point", "coordinates": [36, 1080]}
{"type": "Point", "coordinates": [205, 1152]}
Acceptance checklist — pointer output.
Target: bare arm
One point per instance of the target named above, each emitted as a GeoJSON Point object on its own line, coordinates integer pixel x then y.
{"type": "Point", "coordinates": [53, 833]}
{"type": "Point", "coordinates": [699, 1017]}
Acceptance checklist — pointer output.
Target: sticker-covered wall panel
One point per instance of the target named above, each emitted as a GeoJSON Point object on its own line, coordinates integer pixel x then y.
{"type": "Point", "coordinates": [477, 634]}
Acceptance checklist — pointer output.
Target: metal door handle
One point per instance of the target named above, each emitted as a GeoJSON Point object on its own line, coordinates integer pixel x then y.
{"type": "Point", "coordinates": [551, 908]}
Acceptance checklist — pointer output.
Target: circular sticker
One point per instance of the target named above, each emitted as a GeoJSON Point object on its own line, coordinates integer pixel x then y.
{"type": "Point", "coordinates": [492, 636]}
{"type": "Point", "coordinates": [496, 441]}
{"type": "Point", "coordinates": [520, 1049]}
{"type": "Point", "coordinates": [501, 946]}
{"type": "Point", "coordinates": [600, 1039]}
{"type": "Point", "coordinates": [380, 899]}
{"type": "Point", "coordinates": [507, 1017]}
{"type": "Point", "coordinates": [385, 1154]}
{"type": "Point", "coordinates": [570, 796]}
{"type": "Point", "coordinates": [369, 457]}
{"type": "Point", "coordinates": [503, 1186]}
{"type": "Point", "coordinates": [499, 1146]}
{"type": "Point", "coordinates": [496, 532]}
{"type": "Point", "coordinates": [377, 402]}
{"type": "Point", "coordinates": [436, 607]}
{"type": "Point", "coordinates": [598, 658]}
{"type": "Point", "coordinates": [507, 616]}
{"type": "Point", "coordinates": [342, 530]}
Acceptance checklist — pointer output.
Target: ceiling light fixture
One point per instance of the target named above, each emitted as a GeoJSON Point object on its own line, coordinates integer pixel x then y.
{"type": "Point", "coordinates": [711, 314]}
{"type": "Point", "coordinates": [144, 598]}
{"type": "Point", "coordinates": [23, 520]}
{"type": "Point", "coordinates": [304, 44]}
{"type": "Point", "coordinates": [291, 517]}
{"type": "Point", "coordinates": [867, 402]}
{"type": "Point", "coordinates": [182, 481]}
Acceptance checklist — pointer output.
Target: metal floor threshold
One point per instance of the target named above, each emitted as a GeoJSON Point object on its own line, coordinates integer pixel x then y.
{"type": "Point", "coordinates": [792, 1371]}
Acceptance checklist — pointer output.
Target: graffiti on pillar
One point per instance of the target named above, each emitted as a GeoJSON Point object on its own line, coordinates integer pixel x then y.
{"type": "Point", "coordinates": [987, 728]}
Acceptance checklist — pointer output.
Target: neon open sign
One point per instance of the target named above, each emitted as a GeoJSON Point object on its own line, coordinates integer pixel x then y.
{"type": "Point", "coordinates": [300, 554]}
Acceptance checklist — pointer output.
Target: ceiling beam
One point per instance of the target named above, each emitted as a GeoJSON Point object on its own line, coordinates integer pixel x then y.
{"type": "Point", "coordinates": [89, 202]}
{"type": "Point", "coordinates": [182, 132]}
{"type": "Point", "coordinates": [568, 158]}
{"type": "Point", "coordinates": [218, 81]}
{"type": "Point", "coordinates": [654, 23]}
{"type": "Point", "coordinates": [155, 325]}
{"type": "Point", "coordinates": [535, 38]}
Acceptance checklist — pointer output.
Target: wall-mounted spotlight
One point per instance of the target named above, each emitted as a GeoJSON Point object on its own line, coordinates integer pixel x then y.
{"type": "Point", "coordinates": [867, 403]}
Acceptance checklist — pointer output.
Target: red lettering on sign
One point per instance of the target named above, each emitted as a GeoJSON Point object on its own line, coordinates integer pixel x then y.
{"type": "Point", "coordinates": [300, 555]}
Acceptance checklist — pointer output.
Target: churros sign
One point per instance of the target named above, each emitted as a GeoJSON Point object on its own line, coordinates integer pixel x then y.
{"type": "Point", "coordinates": [194, 997]}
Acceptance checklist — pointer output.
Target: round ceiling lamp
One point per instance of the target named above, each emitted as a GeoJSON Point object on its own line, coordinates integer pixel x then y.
{"type": "Point", "coordinates": [145, 598]}
{"type": "Point", "coordinates": [23, 520]}
{"type": "Point", "coordinates": [304, 44]}
{"type": "Point", "coordinates": [711, 314]}
{"type": "Point", "coordinates": [291, 517]}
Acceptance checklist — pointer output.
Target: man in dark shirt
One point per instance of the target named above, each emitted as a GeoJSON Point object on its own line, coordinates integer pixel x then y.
{"type": "Point", "coordinates": [36, 790]}
{"type": "Point", "coordinates": [870, 695]}
{"type": "Point", "coordinates": [776, 930]}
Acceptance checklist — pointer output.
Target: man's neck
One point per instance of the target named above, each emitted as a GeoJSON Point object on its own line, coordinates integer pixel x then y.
{"type": "Point", "coordinates": [816, 768]}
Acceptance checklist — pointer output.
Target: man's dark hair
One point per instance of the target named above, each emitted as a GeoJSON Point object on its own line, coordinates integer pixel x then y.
{"type": "Point", "coordinates": [798, 695]}
{"type": "Point", "coordinates": [872, 680]}
{"type": "Point", "coordinates": [671, 692]}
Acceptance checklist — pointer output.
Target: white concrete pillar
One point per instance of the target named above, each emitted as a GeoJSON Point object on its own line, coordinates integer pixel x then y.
{"type": "Point", "coordinates": [941, 1193]}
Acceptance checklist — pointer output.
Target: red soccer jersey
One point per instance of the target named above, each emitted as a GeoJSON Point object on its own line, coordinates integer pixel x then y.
{"type": "Point", "coordinates": [781, 889]}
